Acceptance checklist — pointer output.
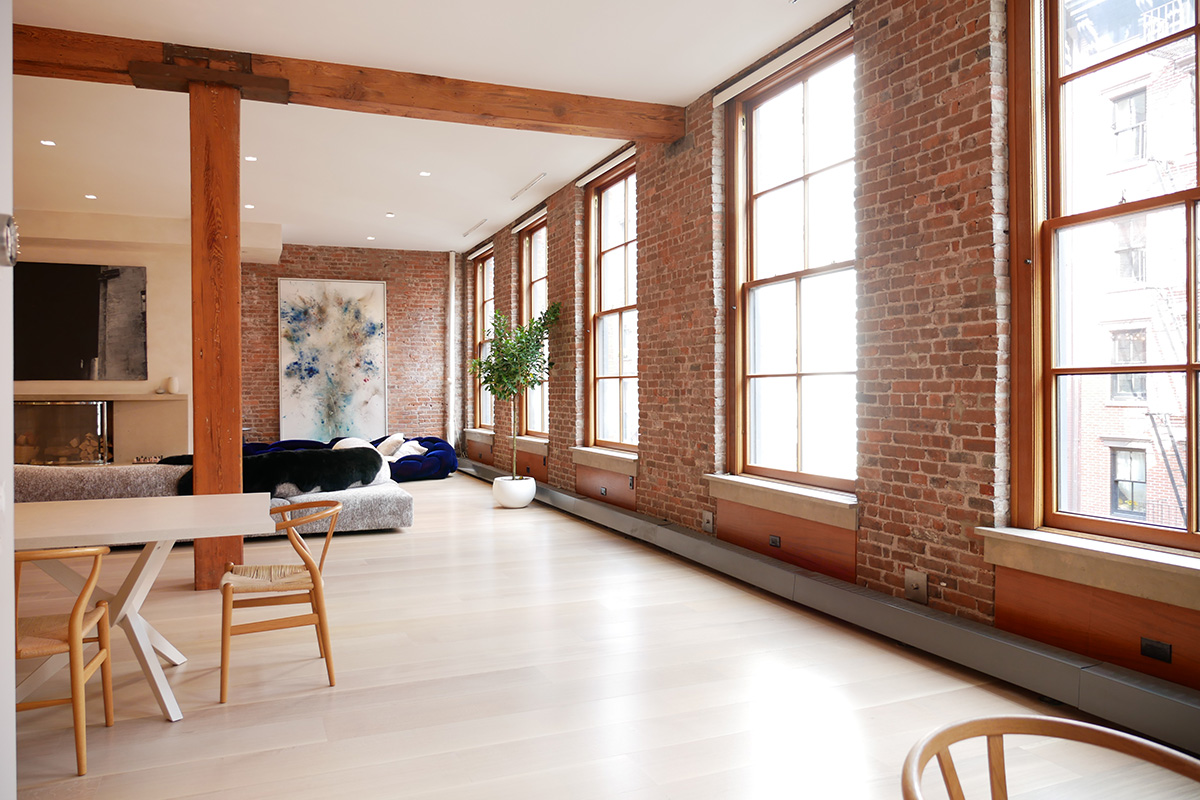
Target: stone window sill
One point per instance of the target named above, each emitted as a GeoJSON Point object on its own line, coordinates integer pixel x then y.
{"type": "Point", "coordinates": [1153, 573]}
{"type": "Point", "coordinates": [533, 444]}
{"type": "Point", "coordinates": [617, 461]}
{"type": "Point", "coordinates": [838, 509]}
{"type": "Point", "coordinates": [479, 435]}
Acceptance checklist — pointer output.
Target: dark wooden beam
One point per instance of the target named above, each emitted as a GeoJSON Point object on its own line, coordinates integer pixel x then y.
{"type": "Point", "coordinates": [216, 311]}
{"type": "Point", "coordinates": [53, 53]}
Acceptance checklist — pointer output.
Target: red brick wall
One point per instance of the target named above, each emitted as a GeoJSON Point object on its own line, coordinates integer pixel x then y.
{"type": "Point", "coordinates": [681, 340]}
{"type": "Point", "coordinates": [565, 238]}
{"type": "Point", "coordinates": [416, 322]}
{"type": "Point", "coordinates": [933, 296]}
{"type": "Point", "coordinates": [506, 250]}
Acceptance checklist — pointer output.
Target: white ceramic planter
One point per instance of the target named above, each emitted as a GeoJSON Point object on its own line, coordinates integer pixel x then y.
{"type": "Point", "coordinates": [511, 493]}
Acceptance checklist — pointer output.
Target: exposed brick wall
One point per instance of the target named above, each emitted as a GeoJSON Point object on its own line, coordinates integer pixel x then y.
{"type": "Point", "coordinates": [681, 340]}
{"type": "Point", "coordinates": [416, 323]}
{"type": "Point", "coordinates": [565, 273]}
{"type": "Point", "coordinates": [508, 270]}
{"type": "Point", "coordinates": [933, 296]}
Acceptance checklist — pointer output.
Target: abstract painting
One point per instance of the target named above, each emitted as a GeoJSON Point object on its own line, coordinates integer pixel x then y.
{"type": "Point", "coordinates": [332, 359]}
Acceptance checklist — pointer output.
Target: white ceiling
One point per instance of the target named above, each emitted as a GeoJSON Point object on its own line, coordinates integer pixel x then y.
{"type": "Point", "coordinates": [329, 177]}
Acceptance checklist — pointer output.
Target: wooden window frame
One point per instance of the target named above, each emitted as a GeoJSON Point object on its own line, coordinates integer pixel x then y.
{"type": "Point", "coordinates": [594, 190]}
{"type": "Point", "coordinates": [482, 294]}
{"type": "Point", "coordinates": [1035, 209]}
{"type": "Point", "coordinates": [739, 166]}
{"type": "Point", "coordinates": [527, 285]}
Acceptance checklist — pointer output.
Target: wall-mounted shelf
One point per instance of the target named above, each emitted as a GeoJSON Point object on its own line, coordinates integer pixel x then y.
{"type": "Point", "coordinates": [122, 398]}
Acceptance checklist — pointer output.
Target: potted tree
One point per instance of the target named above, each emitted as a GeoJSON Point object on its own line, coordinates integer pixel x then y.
{"type": "Point", "coordinates": [516, 362]}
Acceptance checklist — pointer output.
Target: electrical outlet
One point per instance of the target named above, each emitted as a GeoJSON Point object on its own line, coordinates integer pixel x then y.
{"type": "Point", "coordinates": [775, 541]}
{"type": "Point", "coordinates": [916, 586]}
{"type": "Point", "coordinates": [604, 491]}
{"type": "Point", "coordinates": [706, 521]}
{"type": "Point", "coordinates": [1157, 650]}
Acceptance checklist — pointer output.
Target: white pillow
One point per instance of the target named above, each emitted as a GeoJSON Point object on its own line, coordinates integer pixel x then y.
{"type": "Point", "coordinates": [391, 444]}
{"type": "Point", "coordinates": [351, 441]}
{"type": "Point", "coordinates": [412, 448]}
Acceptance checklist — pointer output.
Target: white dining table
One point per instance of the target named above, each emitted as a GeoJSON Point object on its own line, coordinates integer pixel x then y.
{"type": "Point", "coordinates": [156, 522]}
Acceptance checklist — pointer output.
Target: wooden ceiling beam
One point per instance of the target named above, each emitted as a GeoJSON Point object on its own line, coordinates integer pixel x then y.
{"type": "Point", "coordinates": [51, 53]}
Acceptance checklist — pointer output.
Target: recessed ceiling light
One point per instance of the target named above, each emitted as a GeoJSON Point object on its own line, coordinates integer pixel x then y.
{"type": "Point", "coordinates": [248, 205]}
{"type": "Point", "coordinates": [370, 238]}
{"type": "Point", "coordinates": [390, 214]}
{"type": "Point", "coordinates": [424, 174]}
{"type": "Point", "coordinates": [49, 143]}
{"type": "Point", "coordinates": [252, 158]}
{"type": "Point", "coordinates": [90, 196]}
{"type": "Point", "coordinates": [527, 186]}
{"type": "Point", "coordinates": [471, 229]}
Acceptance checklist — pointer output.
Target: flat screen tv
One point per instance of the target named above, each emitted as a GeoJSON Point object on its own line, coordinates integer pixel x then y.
{"type": "Point", "coordinates": [79, 322]}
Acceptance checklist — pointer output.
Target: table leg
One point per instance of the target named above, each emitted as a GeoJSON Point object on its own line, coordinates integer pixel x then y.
{"type": "Point", "coordinates": [139, 637]}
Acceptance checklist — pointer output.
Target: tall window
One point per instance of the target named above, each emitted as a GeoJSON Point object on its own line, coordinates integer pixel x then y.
{"type": "Point", "coordinates": [534, 258]}
{"type": "Point", "coordinates": [614, 319]}
{"type": "Point", "coordinates": [485, 309]}
{"type": "Point", "coordinates": [1118, 244]}
{"type": "Point", "coordinates": [796, 280]}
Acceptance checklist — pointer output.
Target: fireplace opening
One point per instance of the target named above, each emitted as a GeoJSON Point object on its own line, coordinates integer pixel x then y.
{"type": "Point", "coordinates": [62, 432]}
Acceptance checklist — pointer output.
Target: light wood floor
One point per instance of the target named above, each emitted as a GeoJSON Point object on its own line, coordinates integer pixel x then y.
{"type": "Point", "coordinates": [486, 654]}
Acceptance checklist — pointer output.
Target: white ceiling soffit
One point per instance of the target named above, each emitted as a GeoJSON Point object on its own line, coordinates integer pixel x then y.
{"type": "Point", "coordinates": [329, 177]}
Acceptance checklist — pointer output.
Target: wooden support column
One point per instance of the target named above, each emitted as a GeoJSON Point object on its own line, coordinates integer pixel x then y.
{"type": "Point", "coordinates": [216, 311]}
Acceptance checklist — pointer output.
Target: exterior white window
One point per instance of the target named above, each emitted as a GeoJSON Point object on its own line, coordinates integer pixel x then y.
{"type": "Point", "coordinates": [485, 289]}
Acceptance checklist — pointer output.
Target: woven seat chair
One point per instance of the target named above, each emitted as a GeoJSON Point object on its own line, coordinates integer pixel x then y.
{"type": "Point", "coordinates": [937, 744]}
{"type": "Point", "coordinates": [42, 636]}
{"type": "Point", "coordinates": [281, 584]}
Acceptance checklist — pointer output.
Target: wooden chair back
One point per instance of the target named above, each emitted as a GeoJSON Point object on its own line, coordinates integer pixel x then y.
{"type": "Point", "coordinates": [22, 557]}
{"type": "Point", "coordinates": [312, 511]}
{"type": "Point", "coordinates": [994, 729]}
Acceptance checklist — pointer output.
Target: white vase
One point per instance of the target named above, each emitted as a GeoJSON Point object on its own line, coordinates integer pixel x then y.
{"type": "Point", "coordinates": [511, 493]}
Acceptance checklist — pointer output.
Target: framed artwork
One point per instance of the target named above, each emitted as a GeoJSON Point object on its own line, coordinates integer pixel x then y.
{"type": "Point", "coordinates": [332, 359]}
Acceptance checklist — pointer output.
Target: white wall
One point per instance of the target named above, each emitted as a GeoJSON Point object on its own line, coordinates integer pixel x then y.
{"type": "Point", "coordinates": [163, 247]}
{"type": "Point", "coordinates": [8, 722]}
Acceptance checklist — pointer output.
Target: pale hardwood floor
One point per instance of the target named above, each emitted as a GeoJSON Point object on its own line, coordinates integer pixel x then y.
{"type": "Point", "coordinates": [491, 654]}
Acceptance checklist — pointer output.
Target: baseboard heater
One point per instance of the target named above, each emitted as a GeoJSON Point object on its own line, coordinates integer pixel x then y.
{"type": "Point", "coordinates": [1153, 707]}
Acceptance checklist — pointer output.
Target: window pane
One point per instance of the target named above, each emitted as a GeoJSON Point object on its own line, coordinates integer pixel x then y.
{"type": "Point", "coordinates": [608, 410]}
{"type": "Point", "coordinates": [1129, 130]}
{"type": "Point", "coordinates": [1097, 31]}
{"type": "Point", "coordinates": [612, 216]}
{"type": "Point", "coordinates": [778, 144]}
{"type": "Point", "coordinates": [485, 397]}
{"type": "Point", "coordinates": [779, 231]}
{"type": "Point", "coordinates": [1094, 301]}
{"type": "Point", "coordinates": [537, 248]}
{"type": "Point", "coordinates": [629, 343]}
{"type": "Point", "coordinates": [631, 207]}
{"type": "Point", "coordinates": [831, 101]}
{"type": "Point", "coordinates": [489, 278]}
{"type": "Point", "coordinates": [487, 321]}
{"type": "Point", "coordinates": [631, 273]}
{"type": "Point", "coordinates": [1094, 478]}
{"type": "Point", "coordinates": [629, 411]}
{"type": "Point", "coordinates": [773, 423]}
{"type": "Point", "coordinates": [831, 216]}
{"type": "Point", "coordinates": [535, 407]}
{"type": "Point", "coordinates": [827, 318]}
{"type": "Point", "coordinates": [772, 328]}
{"type": "Point", "coordinates": [828, 426]}
{"type": "Point", "coordinates": [612, 279]}
{"type": "Point", "coordinates": [608, 345]}
{"type": "Point", "coordinates": [538, 298]}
